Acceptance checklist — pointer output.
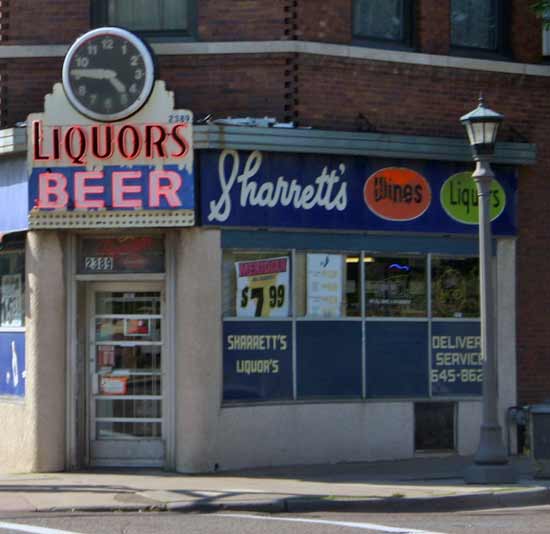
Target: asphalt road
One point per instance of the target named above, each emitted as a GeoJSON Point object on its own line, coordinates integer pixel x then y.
{"type": "Point", "coordinates": [532, 520]}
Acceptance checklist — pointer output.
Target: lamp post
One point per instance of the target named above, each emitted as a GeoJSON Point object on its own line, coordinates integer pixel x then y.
{"type": "Point", "coordinates": [491, 460]}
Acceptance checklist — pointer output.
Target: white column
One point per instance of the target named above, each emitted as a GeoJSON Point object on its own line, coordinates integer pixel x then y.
{"type": "Point", "coordinates": [198, 348]}
{"type": "Point", "coordinates": [45, 349]}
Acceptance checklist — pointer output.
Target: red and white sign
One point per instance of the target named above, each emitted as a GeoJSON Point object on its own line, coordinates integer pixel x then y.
{"type": "Point", "coordinates": [140, 164]}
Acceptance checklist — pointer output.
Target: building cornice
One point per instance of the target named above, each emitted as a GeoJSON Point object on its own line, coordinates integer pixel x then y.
{"type": "Point", "coordinates": [301, 47]}
{"type": "Point", "coordinates": [310, 141]}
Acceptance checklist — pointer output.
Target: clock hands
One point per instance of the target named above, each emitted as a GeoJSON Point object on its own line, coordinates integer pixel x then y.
{"type": "Point", "coordinates": [100, 74]}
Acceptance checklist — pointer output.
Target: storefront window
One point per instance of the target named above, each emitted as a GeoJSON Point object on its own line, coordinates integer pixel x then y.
{"type": "Point", "coordinates": [455, 287]}
{"type": "Point", "coordinates": [395, 287]}
{"type": "Point", "coordinates": [12, 273]}
{"type": "Point", "coordinates": [340, 326]}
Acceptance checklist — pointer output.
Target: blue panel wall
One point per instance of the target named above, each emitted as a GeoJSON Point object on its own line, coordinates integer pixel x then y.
{"type": "Point", "coordinates": [397, 359]}
{"type": "Point", "coordinates": [262, 240]}
{"type": "Point", "coordinates": [328, 358]}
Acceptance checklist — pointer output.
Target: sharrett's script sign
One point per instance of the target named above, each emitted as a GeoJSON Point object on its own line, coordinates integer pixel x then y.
{"type": "Point", "coordinates": [84, 173]}
{"type": "Point", "coordinates": [334, 192]}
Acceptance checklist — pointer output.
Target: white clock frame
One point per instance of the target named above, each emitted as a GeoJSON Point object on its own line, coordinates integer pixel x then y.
{"type": "Point", "coordinates": [149, 74]}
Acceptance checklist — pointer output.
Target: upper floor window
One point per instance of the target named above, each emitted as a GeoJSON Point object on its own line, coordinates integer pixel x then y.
{"type": "Point", "coordinates": [150, 17]}
{"type": "Point", "coordinates": [385, 21]}
{"type": "Point", "coordinates": [477, 24]}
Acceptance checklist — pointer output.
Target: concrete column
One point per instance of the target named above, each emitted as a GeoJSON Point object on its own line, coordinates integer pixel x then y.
{"type": "Point", "coordinates": [506, 334]}
{"type": "Point", "coordinates": [46, 325]}
{"type": "Point", "coordinates": [198, 348]}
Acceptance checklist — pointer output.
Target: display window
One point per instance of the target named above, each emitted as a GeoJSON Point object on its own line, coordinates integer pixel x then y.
{"type": "Point", "coordinates": [302, 324]}
{"type": "Point", "coordinates": [455, 287]}
{"type": "Point", "coordinates": [12, 289]}
{"type": "Point", "coordinates": [395, 286]}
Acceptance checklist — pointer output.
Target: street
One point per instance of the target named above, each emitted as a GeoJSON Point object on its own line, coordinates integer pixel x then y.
{"type": "Point", "coordinates": [528, 520]}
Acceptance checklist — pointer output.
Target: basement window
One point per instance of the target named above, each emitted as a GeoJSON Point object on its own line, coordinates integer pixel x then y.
{"type": "Point", "coordinates": [434, 426]}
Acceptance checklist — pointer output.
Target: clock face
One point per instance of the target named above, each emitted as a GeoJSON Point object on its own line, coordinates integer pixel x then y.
{"type": "Point", "coordinates": [108, 74]}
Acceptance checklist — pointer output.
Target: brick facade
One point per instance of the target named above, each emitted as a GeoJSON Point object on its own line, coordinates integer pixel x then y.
{"type": "Point", "coordinates": [339, 93]}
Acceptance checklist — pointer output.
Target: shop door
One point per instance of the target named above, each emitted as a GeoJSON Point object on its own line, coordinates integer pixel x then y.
{"type": "Point", "coordinates": [126, 376]}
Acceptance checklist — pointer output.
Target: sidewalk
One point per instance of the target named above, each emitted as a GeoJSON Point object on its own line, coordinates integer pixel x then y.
{"type": "Point", "coordinates": [420, 484]}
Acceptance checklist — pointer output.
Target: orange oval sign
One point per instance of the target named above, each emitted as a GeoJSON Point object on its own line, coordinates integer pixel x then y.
{"type": "Point", "coordinates": [397, 194]}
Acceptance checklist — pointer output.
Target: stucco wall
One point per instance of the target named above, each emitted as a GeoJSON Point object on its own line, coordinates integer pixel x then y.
{"type": "Point", "coordinates": [314, 433]}
{"type": "Point", "coordinates": [17, 443]}
{"type": "Point", "coordinates": [33, 429]}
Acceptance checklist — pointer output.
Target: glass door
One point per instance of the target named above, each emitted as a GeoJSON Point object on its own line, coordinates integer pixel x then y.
{"type": "Point", "coordinates": [126, 362]}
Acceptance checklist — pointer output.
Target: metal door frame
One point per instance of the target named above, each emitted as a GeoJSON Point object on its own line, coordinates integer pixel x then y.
{"type": "Point", "coordinates": [136, 286]}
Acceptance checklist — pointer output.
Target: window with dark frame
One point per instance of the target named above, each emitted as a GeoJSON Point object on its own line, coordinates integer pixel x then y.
{"type": "Point", "coordinates": [386, 22]}
{"type": "Point", "coordinates": [477, 25]}
{"type": "Point", "coordinates": [148, 17]}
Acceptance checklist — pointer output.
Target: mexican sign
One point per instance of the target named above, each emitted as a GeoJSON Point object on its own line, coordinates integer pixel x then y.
{"type": "Point", "coordinates": [262, 287]}
{"type": "Point", "coordinates": [84, 173]}
{"type": "Point", "coordinates": [264, 189]}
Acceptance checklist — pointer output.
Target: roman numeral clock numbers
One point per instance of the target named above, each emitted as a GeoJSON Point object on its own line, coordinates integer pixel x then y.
{"type": "Point", "coordinates": [108, 74]}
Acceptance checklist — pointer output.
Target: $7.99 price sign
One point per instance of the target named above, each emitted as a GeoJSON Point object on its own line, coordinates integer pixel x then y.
{"type": "Point", "coordinates": [262, 287]}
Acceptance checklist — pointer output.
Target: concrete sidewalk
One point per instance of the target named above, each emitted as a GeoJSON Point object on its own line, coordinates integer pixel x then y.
{"type": "Point", "coordinates": [420, 484]}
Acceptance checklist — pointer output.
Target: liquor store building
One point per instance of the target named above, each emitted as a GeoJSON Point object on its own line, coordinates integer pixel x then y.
{"type": "Point", "coordinates": [273, 296]}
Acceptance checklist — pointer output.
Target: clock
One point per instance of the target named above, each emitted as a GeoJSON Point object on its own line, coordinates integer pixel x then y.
{"type": "Point", "coordinates": [108, 74]}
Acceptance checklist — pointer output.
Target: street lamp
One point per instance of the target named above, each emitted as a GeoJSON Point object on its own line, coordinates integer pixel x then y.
{"type": "Point", "coordinates": [491, 460]}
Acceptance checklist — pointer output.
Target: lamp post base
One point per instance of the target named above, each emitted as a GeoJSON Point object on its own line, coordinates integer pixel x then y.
{"type": "Point", "coordinates": [491, 474]}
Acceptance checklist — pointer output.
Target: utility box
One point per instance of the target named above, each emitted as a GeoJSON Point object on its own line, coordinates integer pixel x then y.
{"type": "Point", "coordinates": [539, 425]}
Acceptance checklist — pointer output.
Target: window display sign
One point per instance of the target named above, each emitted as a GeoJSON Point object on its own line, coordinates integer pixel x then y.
{"type": "Point", "coordinates": [113, 385]}
{"type": "Point", "coordinates": [263, 287]}
{"type": "Point", "coordinates": [12, 363]}
{"type": "Point", "coordinates": [257, 360]}
{"type": "Point", "coordinates": [457, 365]}
{"type": "Point", "coordinates": [324, 284]}
{"type": "Point", "coordinates": [137, 327]}
{"type": "Point", "coordinates": [11, 301]}
{"type": "Point", "coordinates": [336, 192]}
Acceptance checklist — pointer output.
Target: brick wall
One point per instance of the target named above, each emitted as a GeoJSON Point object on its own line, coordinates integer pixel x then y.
{"type": "Point", "coordinates": [46, 21]}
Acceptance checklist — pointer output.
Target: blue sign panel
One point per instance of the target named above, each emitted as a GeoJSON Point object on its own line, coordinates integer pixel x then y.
{"type": "Point", "coordinates": [13, 195]}
{"type": "Point", "coordinates": [263, 189]}
{"type": "Point", "coordinates": [138, 187]}
{"type": "Point", "coordinates": [329, 358]}
{"type": "Point", "coordinates": [12, 363]}
{"type": "Point", "coordinates": [397, 359]}
{"type": "Point", "coordinates": [457, 368]}
{"type": "Point", "coordinates": [257, 360]}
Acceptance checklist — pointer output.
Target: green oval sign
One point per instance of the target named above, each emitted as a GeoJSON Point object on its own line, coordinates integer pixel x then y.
{"type": "Point", "coordinates": [459, 198]}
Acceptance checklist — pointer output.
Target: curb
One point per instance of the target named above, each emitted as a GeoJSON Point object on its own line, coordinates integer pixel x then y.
{"type": "Point", "coordinates": [534, 497]}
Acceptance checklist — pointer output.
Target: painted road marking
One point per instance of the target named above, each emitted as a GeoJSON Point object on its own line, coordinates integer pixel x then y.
{"type": "Point", "coordinates": [350, 524]}
{"type": "Point", "coordinates": [32, 529]}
